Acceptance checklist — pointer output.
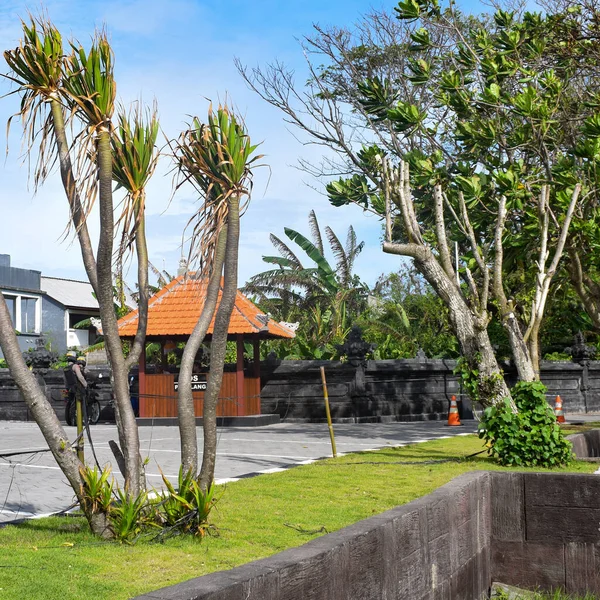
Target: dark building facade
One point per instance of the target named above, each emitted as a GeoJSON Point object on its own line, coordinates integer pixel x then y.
{"type": "Point", "coordinates": [46, 305]}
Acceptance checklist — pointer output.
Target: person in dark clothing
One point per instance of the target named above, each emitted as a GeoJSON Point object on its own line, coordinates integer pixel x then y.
{"type": "Point", "coordinates": [79, 371]}
{"type": "Point", "coordinates": [76, 384]}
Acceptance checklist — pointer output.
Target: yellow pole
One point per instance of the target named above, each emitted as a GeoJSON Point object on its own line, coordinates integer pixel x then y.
{"type": "Point", "coordinates": [79, 419]}
{"type": "Point", "coordinates": [327, 412]}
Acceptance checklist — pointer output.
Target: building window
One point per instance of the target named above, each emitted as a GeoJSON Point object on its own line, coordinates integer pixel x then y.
{"type": "Point", "coordinates": [28, 315]}
{"type": "Point", "coordinates": [24, 312]}
{"type": "Point", "coordinates": [11, 302]}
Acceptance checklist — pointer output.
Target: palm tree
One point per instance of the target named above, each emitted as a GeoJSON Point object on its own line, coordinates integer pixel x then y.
{"type": "Point", "coordinates": [216, 158]}
{"type": "Point", "coordinates": [295, 285]}
{"type": "Point", "coordinates": [89, 90]}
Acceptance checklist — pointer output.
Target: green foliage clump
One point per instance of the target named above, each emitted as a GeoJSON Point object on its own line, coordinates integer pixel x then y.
{"type": "Point", "coordinates": [528, 438]}
{"type": "Point", "coordinates": [184, 509]}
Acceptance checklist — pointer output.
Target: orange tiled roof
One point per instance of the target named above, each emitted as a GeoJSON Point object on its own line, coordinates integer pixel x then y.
{"type": "Point", "coordinates": [175, 309]}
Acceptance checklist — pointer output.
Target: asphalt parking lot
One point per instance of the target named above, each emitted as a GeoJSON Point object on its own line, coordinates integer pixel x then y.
{"type": "Point", "coordinates": [32, 484]}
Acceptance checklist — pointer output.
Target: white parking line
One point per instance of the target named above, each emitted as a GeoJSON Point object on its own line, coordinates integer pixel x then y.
{"type": "Point", "coordinates": [28, 466]}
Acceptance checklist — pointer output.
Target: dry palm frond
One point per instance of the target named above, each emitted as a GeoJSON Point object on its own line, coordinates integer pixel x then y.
{"type": "Point", "coordinates": [216, 158]}
{"type": "Point", "coordinates": [285, 251]}
{"type": "Point", "coordinates": [134, 161]}
{"type": "Point", "coordinates": [37, 69]}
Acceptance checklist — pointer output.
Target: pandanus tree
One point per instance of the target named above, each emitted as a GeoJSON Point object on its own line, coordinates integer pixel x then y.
{"type": "Point", "coordinates": [37, 68]}
{"type": "Point", "coordinates": [81, 85]}
{"type": "Point", "coordinates": [216, 157]}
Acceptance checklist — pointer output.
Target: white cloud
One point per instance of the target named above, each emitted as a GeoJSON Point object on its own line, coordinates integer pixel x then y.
{"type": "Point", "coordinates": [178, 53]}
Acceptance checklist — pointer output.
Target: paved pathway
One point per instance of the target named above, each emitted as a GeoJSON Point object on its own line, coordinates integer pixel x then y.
{"type": "Point", "coordinates": [32, 484]}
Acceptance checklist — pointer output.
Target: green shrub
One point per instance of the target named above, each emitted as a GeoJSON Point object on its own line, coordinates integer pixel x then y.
{"type": "Point", "coordinates": [174, 511]}
{"type": "Point", "coordinates": [529, 438]}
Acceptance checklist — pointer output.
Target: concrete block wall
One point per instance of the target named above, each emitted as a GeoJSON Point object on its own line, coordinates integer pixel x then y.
{"type": "Point", "coordinates": [545, 531]}
{"type": "Point", "coordinates": [13, 407]}
{"type": "Point", "coordinates": [403, 390]}
{"type": "Point", "coordinates": [586, 444]}
{"type": "Point", "coordinates": [531, 530]}
{"type": "Point", "coordinates": [435, 548]}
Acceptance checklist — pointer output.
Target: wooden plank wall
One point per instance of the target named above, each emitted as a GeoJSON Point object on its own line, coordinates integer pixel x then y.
{"type": "Point", "coordinates": [161, 399]}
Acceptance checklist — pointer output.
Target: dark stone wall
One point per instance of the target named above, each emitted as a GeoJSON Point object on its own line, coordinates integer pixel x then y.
{"type": "Point", "coordinates": [384, 390]}
{"type": "Point", "coordinates": [437, 547]}
{"type": "Point", "coordinates": [545, 531]}
{"type": "Point", "coordinates": [13, 407]}
{"type": "Point", "coordinates": [531, 530]}
{"type": "Point", "coordinates": [586, 444]}
{"type": "Point", "coordinates": [405, 390]}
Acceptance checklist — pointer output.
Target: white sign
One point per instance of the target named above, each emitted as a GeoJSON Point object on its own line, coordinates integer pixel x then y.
{"type": "Point", "coordinates": [198, 383]}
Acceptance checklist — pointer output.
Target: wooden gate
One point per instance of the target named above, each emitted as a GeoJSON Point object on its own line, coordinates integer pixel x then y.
{"type": "Point", "coordinates": [160, 399]}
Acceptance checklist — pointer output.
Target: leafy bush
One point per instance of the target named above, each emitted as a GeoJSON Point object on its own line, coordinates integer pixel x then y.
{"type": "Point", "coordinates": [187, 508]}
{"type": "Point", "coordinates": [182, 510]}
{"type": "Point", "coordinates": [530, 437]}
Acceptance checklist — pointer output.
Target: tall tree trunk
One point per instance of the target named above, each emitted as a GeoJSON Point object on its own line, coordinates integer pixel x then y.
{"type": "Point", "coordinates": [139, 342]}
{"type": "Point", "coordinates": [185, 400]}
{"type": "Point", "coordinates": [470, 329]}
{"type": "Point", "coordinates": [110, 330]}
{"type": "Point", "coordinates": [66, 172]}
{"type": "Point", "coordinates": [528, 367]}
{"type": "Point", "coordinates": [44, 416]}
{"type": "Point", "coordinates": [219, 344]}
{"type": "Point", "coordinates": [534, 348]}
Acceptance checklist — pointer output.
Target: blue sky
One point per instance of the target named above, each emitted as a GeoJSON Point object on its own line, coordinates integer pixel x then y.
{"type": "Point", "coordinates": [180, 52]}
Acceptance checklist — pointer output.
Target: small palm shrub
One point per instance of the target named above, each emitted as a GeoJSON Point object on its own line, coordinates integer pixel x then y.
{"type": "Point", "coordinates": [185, 509]}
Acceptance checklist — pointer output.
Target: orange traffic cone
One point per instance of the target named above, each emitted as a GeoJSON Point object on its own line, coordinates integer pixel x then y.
{"type": "Point", "coordinates": [558, 411]}
{"type": "Point", "coordinates": [453, 418]}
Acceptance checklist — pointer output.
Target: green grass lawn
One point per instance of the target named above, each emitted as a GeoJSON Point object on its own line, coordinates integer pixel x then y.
{"type": "Point", "coordinates": [57, 558]}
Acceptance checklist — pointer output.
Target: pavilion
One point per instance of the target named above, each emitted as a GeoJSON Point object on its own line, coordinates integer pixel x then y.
{"type": "Point", "coordinates": [172, 315]}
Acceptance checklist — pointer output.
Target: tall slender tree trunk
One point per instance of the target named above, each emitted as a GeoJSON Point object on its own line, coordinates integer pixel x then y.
{"type": "Point", "coordinates": [139, 342]}
{"type": "Point", "coordinates": [185, 399]}
{"type": "Point", "coordinates": [219, 344]}
{"type": "Point", "coordinates": [534, 348]}
{"type": "Point", "coordinates": [44, 416]}
{"type": "Point", "coordinates": [66, 172]}
{"type": "Point", "coordinates": [527, 364]}
{"type": "Point", "coordinates": [129, 432]}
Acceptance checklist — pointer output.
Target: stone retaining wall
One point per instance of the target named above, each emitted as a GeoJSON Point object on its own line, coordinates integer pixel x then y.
{"type": "Point", "coordinates": [586, 444]}
{"type": "Point", "coordinates": [404, 390]}
{"type": "Point", "coordinates": [545, 531]}
{"type": "Point", "coordinates": [523, 529]}
{"type": "Point", "coordinates": [435, 547]}
{"type": "Point", "coordinates": [383, 390]}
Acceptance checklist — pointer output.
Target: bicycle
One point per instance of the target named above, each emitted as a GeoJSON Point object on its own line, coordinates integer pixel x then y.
{"type": "Point", "coordinates": [91, 408]}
